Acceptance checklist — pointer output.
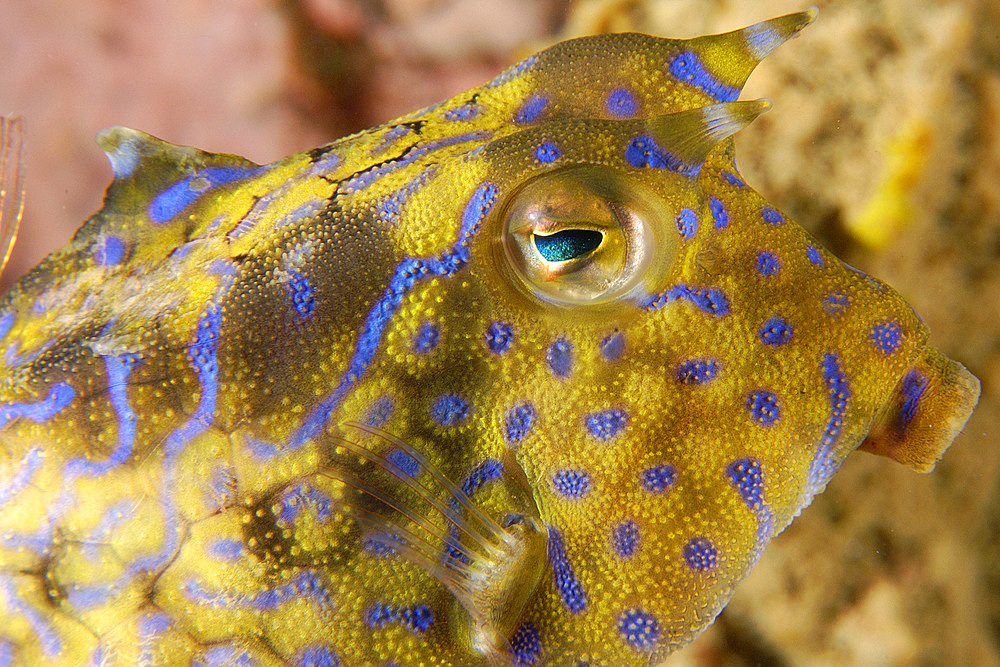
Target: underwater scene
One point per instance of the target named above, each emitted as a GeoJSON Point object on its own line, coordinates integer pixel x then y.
{"type": "Point", "coordinates": [491, 332]}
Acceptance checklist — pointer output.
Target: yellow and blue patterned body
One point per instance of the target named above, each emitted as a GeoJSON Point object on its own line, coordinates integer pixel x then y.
{"type": "Point", "coordinates": [527, 377]}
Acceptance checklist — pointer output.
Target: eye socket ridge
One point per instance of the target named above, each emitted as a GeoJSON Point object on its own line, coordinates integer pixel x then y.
{"type": "Point", "coordinates": [567, 244]}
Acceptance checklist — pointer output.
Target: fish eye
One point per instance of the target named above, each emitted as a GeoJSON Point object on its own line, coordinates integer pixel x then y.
{"type": "Point", "coordinates": [567, 244]}
{"type": "Point", "coordinates": [584, 235]}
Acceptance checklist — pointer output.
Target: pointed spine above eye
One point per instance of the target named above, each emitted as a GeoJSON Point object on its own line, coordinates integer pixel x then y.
{"type": "Point", "coordinates": [721, 64]}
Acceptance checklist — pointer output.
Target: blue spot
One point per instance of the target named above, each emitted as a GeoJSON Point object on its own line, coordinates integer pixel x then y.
{"type": "Point", "coordinates": [625, 538]}
{"type": "Point", "coordinates": [225, 549]}
{"type": "Point", "coordinates": [776, 331]}
{"type": "Point", "coordinates": [688, 68]}
{"type": "Point", "coordinates": [485, 472]}
{"type": "Point", "coordinates": [639, 628]}
{"type": "Point", "coordinates": [379, 411]}
{"type": "Point", "coordinates": [110, 251]}
{"type": "Point", "coordinates": [815, 257]}
{"type": "Point", "coordinates": [748, 478]}
{"type": "Point", "coordinates": [711, 300]}
{"type": "Point", "coordinates": [687, 223]}
{"type": "Point", "coordinates": [531, 110]}
{"type": "Point", "coordinates": [719, 213]}
{"type": "Point", "coordinates": [643, 151]}
{"type": "Point", "coordinates": [559, 357]}
{"type": "Point", "coordinates": [763, 407]}
{"type": "Point", "coordinates": [317, 656]}
{"type": "Point", "coordinates": [301, 292]}
{"type": "Point", "coordinates": [697, 371]}
{"type": "Point", "coordinates": [407, 273]}
{"type": "Point", "coordinates": [499, 336]}
{"type": "Point", "coordinates": [406, 463]}
{"type": "Point", "coordinates": [658, 478]}
{"type": "Point", "coordinates": [519, 421]}
{"type": "Point", "coordinates": [426, 338]}
{"type": "Point", "coordinates": [607, 424]}
{"type": "Point", "coordinates": [547, 152]}
{"type": "Point", "coordinates": [914, 385]}
{"type": "Point", "coordinates": [449, 410]}
{"type": "Point", "coordinates": [613, 346]}
{"type": "Point", "coordinates": [526, 644]}
{"type": "Point", "coordinates": [415, 618]}
{"type": "Point", "coordinates": [182, 194]}
{"type": "Point", "coordinates": [621, 103]}
{"type": "Point", "coordinates": [733, 179]}
{"type": "Point", "coordinates": [771, 216]}
{"type": "Point", "coordinates": [700, 554]}
{"type": "Point", "coordinates": [59, 397]}
{"type": "Point", "coordinates": [571, 483]}
{"type": "Point", "coordinates": [569, 588]}
{"type": "Point", "coordinates": [886, 336]}
{"type": "Point", "coordinates": [768, 263]}
{"type": "Point", "coordinates": [464, 112]}
{"type": "Point", "coordinates": [835, 303]}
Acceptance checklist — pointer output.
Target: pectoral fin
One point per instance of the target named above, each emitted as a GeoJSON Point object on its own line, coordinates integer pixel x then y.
{"type": "Point", "coordinates": [491, 564]}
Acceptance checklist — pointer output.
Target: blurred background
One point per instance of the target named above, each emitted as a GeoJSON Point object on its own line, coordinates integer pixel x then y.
{"type": "Point", "coordinates": [884, 141]}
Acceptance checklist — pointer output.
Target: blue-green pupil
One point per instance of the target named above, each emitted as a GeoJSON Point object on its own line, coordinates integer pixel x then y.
{"type": "Point", "coordinates": [567, 244]}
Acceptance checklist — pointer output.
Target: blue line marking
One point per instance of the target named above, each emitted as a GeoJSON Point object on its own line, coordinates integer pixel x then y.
{"type": "Point", "coordinates": [914, 385]}
{"type": "Point", "coordinates": [572, 594]}
{"type": "Point", "coordinates": [709, 300]}
{"type": "Point", "coordinates": [366, 178]}
{"type": "Point", "coordinates": [185, 192]}
{"type": "Point", "coordinates": [687, 67]}
{"type": "Point", "coordinates": [59, 397]}
{"type": "Point", "coordinates": [643, 151]}
{"type": "Point", "coordinates": [306, 585]}
{"type": "Point", "coordinates": [408, 272]}
{"type": "Point", "coordinates": [49, 640]}
{"type": "Point", "coordinates": [118, 368]}
{"type": "Point", "coordinates": [823, 464]}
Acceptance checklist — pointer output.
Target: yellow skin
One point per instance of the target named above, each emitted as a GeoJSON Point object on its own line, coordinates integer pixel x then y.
{"type": "Point", "coordinates": [214, 398]}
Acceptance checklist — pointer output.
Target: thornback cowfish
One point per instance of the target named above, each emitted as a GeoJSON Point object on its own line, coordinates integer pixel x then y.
{"type": "Point", "coordinates": [527, 377]}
